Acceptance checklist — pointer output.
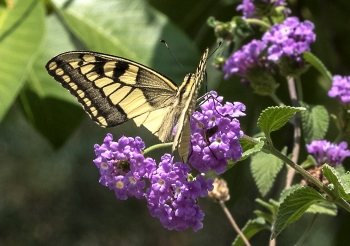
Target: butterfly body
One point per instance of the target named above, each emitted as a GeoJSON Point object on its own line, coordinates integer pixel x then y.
{"type": "Point", "coordinates": [113, 90]}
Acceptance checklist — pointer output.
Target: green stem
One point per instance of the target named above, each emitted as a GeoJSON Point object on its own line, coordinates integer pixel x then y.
{"type": "Point", "coordinates": [276, 99]}
{"type": "Point", "coordinates": [306, 233]}
{"type": "Point", "coordinates": [309, 177]}
{"type": "Point", "coordinates": [258, 22]}
{"type": "Point", "coordinates": [339, 137]}
{"type": "Point", "coordinates": [344, 204]}
{"type": "Point", "coordinates": [299, 88]}
{"type": "Point", "coordinates": [157, 146]}
{"type": "Point", "coordinates": [302, 171]}
{"type": "Point", "coordinates": [270, 20]}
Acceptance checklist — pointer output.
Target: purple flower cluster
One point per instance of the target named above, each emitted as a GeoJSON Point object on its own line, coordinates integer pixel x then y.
{"type": "Point", "coordinates": [287, 40]}
{"type": "Point", "coordinates": [171, 196]}
{"type": "Point", "coordinates": [249, 9]}
{"type": "Point", "coordinates": [123, 168]}
{"type": "Point", "coordinates": [326, 152]}
{"type": "Point", "coordinates": [290, 38]}
{"type": "Point", "coordinates": [215, 134]}
{"type": "Point", "coordinates": [247, 57]}
{"type": "Point", "coordinates": [340, 88]}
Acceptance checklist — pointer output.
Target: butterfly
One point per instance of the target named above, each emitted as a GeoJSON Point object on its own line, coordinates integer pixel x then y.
{"type": "Point", "coordinates": [113, 90]}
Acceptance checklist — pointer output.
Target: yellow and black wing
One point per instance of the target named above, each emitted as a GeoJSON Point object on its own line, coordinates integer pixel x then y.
{"type": "Point", "coordinates": [189, 92]}
{"type": "Point", "coordinates": [113, 90]}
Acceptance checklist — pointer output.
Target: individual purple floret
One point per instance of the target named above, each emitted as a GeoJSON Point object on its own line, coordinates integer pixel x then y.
{"type": "Point", "coordinates": [249, 56]}
{"type": "Point", "coordinates": [326, 152]}
{"type": "Point", "coordinates": [172, 198]}
{"type": "Point", "coordinates": [215, 134]}
{"type": "Point", "coordinates": [249, 6]}
{"type": "Point", "coordinates": [290, 39]}
{"type": "Point", "coordinates": [340, 88]}
{"type": "Point", "coordinates": [122, 166]}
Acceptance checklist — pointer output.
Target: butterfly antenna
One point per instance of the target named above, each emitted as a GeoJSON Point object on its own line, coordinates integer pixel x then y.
{"type": "Point", "coordinates": [206, 75]}
{"type": "Point", "coordinates": [219, 44]}
{"type": "Point", "coordinates": [171, 53]}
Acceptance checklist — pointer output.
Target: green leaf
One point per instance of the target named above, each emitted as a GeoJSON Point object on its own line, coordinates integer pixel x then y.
{"type": "Point", "coordinates": [21, 35]}
{"type": "Point", "coordinates": [131, 29]}
{"type": "Point", "coordinates": [54, 119]}
{"type": "Point", "coordinates": [323, 208]}
{"type": "Point", "coordinates": [293, 207]}
{"type": "Point", "coordinates": [273, 118]}
{"type": "Point", "coordinates": [341, 189]}
{"type": "Point", "coordinates": [345, 178]}
{"type": "Point", "coordinates": [264, 168]}
{"type": "Point", "coordinates": [288, 191]}
{"type": "Point", "coordinates": [341, 170]}
{"type": "Point", "coordinates": [251, 228]}
{"type": "Point", "coordinates": [49, 107]}
{"type": "Point", "coordinates": [272, 205]}
{"type": "Point", "coordinates": [316, 63]}
{"type": "Point", "coordinates": [249, 148]}
{"type": "Point", "coordinates": [266, 216]}
{"type": "Point", "coordinates": [315, 121]}
{"type": "Point", "coordinates": [40, 81]}
{"type": "Point", "coordinates": [320, 207]}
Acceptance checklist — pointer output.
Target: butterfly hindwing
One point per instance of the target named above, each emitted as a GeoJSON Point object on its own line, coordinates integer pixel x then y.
{"type": "Point", "coordinates": [113, 90]}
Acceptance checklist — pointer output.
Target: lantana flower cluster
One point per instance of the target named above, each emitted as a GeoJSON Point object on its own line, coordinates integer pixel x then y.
{"type": "Point", "coordinates": [287, 40]}
{"type": "Point", "coordinates": [247, 57]}
{"type": "Point", "coordinates": [340, 88]}
{"type": "Point", "coordinates": [171, 196]}
{"type": "Point", "coordinates": [215, 134]}
{"type": "Point", "coordinates": [123, 168]}
{"type": "Point", "coordinates": [249, 7]}
{"type": "Point", "coordinates": [326, 152]}
{"type": "Point", "coordinates": [170, 188]}
{"type": "Point", "coordinates": [290, 39]}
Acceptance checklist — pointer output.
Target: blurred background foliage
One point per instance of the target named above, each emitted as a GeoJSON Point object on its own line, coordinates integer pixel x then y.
{"type": "Point", "coordinates": [49, 190]}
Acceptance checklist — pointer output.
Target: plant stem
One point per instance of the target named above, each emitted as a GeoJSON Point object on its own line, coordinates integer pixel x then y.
{"type": "Point", "coordinates": [276, 99]}
{"type": "Point", "coordinates": [306, 233]}
{"type": "Point", "coordinates": [297, 131]}
{"type": "Point", "coordinates": [235, 226]}
{"type": "Point", "coordinates": [258, 22]}
{"type": "Point", "coordinates": [156, 146]}
{"type": "Point", "coordinates": [312, 179]}
{"type": "Point", "coordinates": [299, 88]}
{"type": "Point", "coordinates": [339, 137]}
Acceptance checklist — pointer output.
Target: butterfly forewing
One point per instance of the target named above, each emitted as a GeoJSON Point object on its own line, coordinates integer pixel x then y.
{"type": "Point", "coordinates": [113, 90]}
